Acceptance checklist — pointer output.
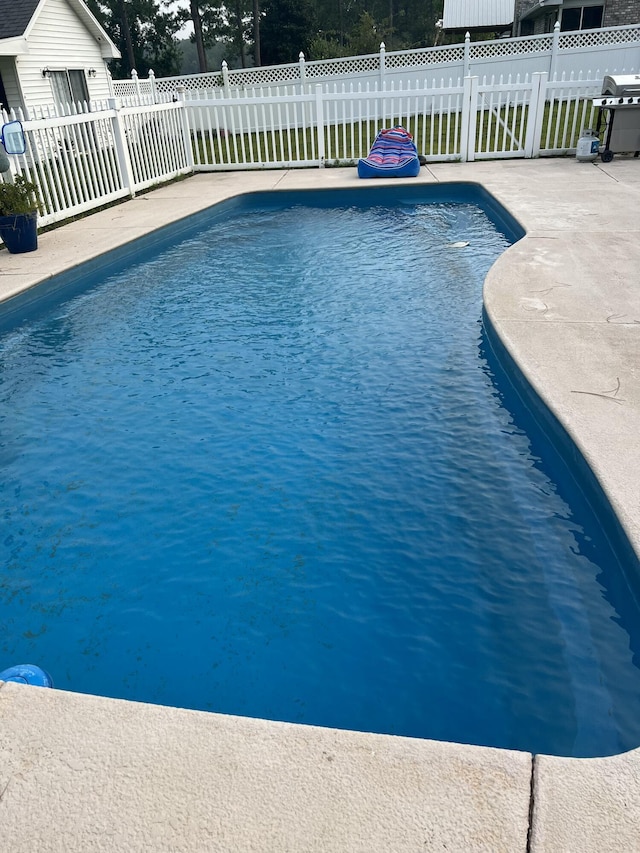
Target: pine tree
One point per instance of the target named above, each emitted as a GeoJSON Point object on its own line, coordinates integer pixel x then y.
{"type": "Point", "coordinates": [143, 33]}
{"type": "Point", "coordinates": [289, 27]}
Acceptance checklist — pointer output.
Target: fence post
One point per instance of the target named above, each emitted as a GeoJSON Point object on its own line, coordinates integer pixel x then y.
{"type": "Point", "coordinates": [303, 70]}
{"type": "Point", "coordinates": [186, 132]}
{"type": "Point", "coordinates": [320, 123]}
{"type": "Point", "coordinates": [122, 149]}
{"type": "Point", "coordinates": [152, 84]}
{"type": "Point", "coordinates": [535, 119]}
{"type": "Point", "coordinates": [465, 63]}
{"type": "Point", "coordinates": [553, 59]}
{"type": "Point", "coordinates": [136, 83]}
{"type": "Point", "coordinates": [225, 79]}
{"type": "Point", "coordinates": [468, 119]}
{"type": "Point", "coordinates": [383, 64]}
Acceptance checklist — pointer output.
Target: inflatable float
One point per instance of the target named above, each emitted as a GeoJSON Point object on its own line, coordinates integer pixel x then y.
{"type": "Point", "coordinates": [393, 155]}
{"type": "Point", "coordinates": [27, 673]}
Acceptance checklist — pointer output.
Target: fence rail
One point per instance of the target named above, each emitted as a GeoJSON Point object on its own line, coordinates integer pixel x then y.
{"type": "Point", "coordinates": [89, 158]}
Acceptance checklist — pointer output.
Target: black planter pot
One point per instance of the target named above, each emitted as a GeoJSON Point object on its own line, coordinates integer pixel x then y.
{"type": "Point", "coordinates": [19, 232]}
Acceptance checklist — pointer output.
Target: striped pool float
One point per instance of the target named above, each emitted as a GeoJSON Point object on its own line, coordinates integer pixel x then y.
{"type": "Point", "coordinates": [393, 155]}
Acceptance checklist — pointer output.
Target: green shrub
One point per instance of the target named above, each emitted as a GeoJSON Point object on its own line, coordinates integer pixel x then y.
{"type": "Point", "coordinates": [19, 197]}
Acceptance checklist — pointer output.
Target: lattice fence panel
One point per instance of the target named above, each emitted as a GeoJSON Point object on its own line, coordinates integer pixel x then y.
{"type": "Point", "coordinates": [512, 47]}
{"type": "Point", "coordinates": [265, 75]}
{"type": "Point", "coordinates": [597, 38]}
{"type": "Point", "coordinates": [342, 67]}
{"type": "Point", "coordinates": [191, 83]}
{"type": "Point", "coordinates": [122, 88]}
{"type": "Point", "coordinates": [422, 58]}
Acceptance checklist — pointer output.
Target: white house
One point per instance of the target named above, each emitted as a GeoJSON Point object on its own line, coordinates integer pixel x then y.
{"type": "Point", "coordinates": [529, 17]}
{"type": "Point", "coordinates": [52, 52]}
{"type": "Point", "coordinates": [539, 16]}
{"type": "Point", "coordinates": [479, 16]}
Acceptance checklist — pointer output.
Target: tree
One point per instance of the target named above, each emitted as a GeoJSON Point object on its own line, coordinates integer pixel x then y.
{"type": "Point", "coordinates": [198, 34]}
{"type": "Point", "coordinates": [327, 47]}
{"type": "Point", "coordinates": [289, 26]}
{"type": "Point", "coordinates": [189, 63]}
{"type": "Point", "coordinates": [125, 31]}
{"type": "Point", "coordinates": [256, 33]}
{"type": "Point", "coordinates": [413, 22]}
{"type": "Point", "coordinates": [337, 18]}
{"type": "Point", "coordinates": [143, 33]}
{"type": "Point", "coordinates": [238, 30]}
{"type": "Point", "coordinates": [161, 49]}
{"type": "Point", "coordinates": [366, 36]}
{"type": "Point", "coordinates": [401, 24]}
{"type": "Point", "coordinates": [214, 22]}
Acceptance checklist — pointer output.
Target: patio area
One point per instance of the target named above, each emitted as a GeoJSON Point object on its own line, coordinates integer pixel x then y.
{"type": "Point", "coordinates": [87, 773]}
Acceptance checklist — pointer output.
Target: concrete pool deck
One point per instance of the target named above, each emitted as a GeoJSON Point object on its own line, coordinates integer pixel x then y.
{"type": "Point", "coordinates": [85, 773]}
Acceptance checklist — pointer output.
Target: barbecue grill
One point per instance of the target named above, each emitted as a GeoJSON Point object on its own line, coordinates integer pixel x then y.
{"type": "Point", "coordinates": [620, 110]}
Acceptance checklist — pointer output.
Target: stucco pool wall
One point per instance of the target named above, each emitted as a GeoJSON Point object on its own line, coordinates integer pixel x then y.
{"type": "Point", "coordinates": [85, 773]}
{"type": "Point", "coordinates": [551, 432]}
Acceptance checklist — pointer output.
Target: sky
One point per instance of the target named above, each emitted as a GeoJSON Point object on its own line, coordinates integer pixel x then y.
{"type": "Point", "coordinates": [186, 31]}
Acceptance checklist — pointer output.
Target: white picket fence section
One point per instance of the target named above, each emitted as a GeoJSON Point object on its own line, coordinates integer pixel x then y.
{"type": "Point", "coordinates": [321, 128]}
{"type": "Point", "coordinates": [87, 159]}
{"type": "Point", "coordinates": [584, 52]}
{"type": "Point", "coordinates": [473, 120]}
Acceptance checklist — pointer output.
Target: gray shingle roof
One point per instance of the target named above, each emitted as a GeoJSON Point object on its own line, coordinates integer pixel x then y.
{"type": "Point", "coordinates": [15, 16]}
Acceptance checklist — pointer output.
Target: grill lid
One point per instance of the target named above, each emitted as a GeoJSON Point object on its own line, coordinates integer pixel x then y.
{"type": "Point", "coordinates": [621, 85]}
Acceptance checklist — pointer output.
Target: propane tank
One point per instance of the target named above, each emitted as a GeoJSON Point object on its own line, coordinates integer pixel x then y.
{"type": "Point", "coordinates": [588, 145]}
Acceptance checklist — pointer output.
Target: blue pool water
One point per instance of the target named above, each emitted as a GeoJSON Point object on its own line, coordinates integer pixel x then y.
{"type": "Point", "coordinates": [268, 466]}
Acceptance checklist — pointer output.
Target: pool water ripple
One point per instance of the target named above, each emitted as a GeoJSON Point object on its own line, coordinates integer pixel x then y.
{"type": "Point", "coordinates": [268, 471]}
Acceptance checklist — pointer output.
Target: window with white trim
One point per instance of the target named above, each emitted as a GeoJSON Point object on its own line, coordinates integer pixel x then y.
{"type": "Point", "coordinates": [581, 18]}
{"type": "Point", "coordinates": [69, 87]}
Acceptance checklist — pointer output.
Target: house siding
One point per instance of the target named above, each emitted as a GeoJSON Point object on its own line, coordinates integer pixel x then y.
{"type": "Point", "coordinates": [59, 40]}
{"type": "Point", "coordinates": [460, 14]}
{"type": "Point", "coordinates": [618, 13]}
{"type": "Point", "coordinates": [540, 21]}
{"type": "Point", "coordinates": [522, 7]}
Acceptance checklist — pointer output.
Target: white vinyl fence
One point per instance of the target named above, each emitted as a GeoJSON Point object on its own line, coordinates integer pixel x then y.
{"type": "Point", "coordinates": [88, 159]}
{"type": "Point", "coordinates": [83, 161]}
{"type": "Point", "coordinates": [584, 52]}
{"type": "Point", "coordinates": [468, 121]}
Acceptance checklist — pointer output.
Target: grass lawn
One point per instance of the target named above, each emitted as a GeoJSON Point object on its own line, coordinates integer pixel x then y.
{"type": "Point", "coordinates": [438, 136]}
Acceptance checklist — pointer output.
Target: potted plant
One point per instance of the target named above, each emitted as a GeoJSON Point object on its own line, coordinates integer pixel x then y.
{"type": "Point", "coordinates": [19, 214]}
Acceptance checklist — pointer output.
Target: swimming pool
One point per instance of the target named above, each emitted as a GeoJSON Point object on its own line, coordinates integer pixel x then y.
{"type": "Point", "coordinates": [265, 468]}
